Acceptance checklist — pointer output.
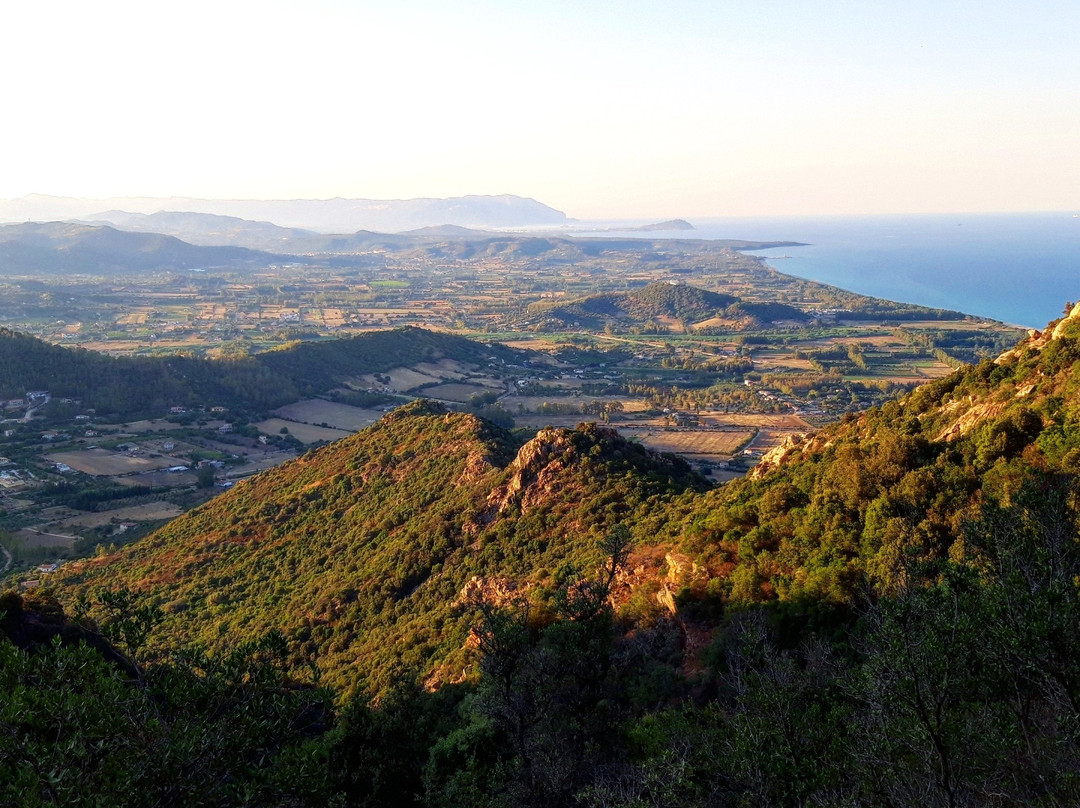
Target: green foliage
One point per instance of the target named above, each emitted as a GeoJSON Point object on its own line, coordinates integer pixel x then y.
{"type": "Point", "coordinates": [359, 551]}
{"type": "Point", "coordinates": [202, 731]}
{"type": "Point", "coordinates": [142, 386]}
{"type": "Point", "coordinates": [660, 301]}
{"type": "Point", "coordinates": [892, 617]}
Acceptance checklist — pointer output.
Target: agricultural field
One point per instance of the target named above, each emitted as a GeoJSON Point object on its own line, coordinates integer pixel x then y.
{"type": "Point", "coordinates": [334, 415]}
{"type": "Point", "coordinates": [157, 510]}
{"type": "Point", "coordinates": [719, 386]}
{"type": "Point", "coordinates": [37, 539]}
{"type": "Point", "coordinates": [707, 444]}
{"type": "Point", "coordinates": [303, 432]}
{"type": "Point", "coordinates": [105, 463]}
{"type": "Point", "coordinates": [460, 393]}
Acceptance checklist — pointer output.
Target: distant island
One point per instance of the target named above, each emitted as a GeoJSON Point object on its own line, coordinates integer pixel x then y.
{"type": "Point", "coordinates": [670, 224]}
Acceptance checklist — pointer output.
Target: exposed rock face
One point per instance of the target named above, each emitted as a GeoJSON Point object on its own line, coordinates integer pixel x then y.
{"type": "Point", "coordinates": [971, 419]}
{"type": "Point", "coordinates": [1059, 329]}
{"type": "Point", "coordinates": [489, 591]}
{"type": "Point", "coordinates": [539, 464]}
{"type": "Point", "coordinates": [792, 446]}
{"type": "Point", "coordinates": [476, 466]}
{"type": "Point", "coordinates": [1039, 339]}
{"type": "Point", "coordinates": [681, 571]}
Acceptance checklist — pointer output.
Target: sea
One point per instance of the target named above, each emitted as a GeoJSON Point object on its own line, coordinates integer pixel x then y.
{"type": "Point", "coordinates": [1017, 268]}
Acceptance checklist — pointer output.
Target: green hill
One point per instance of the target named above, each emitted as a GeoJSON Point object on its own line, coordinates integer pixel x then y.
{"type": "Point", "coordinates": [319, 366]}
{"type": "Point", "coordinates": [383, 529]}
{"type": "Point", "coordinates": [136, 386]}
{"type": "Point", "coordinates": [659, 301]}
{"type": "Point", "coordinates": [359, 551]}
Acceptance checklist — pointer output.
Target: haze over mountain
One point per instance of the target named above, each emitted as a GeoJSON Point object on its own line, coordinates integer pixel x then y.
{"type": "Point", "coordinates": [62, 247]}
{"type": "Point", "coordinates": [211, 229]}
{"type": "Point", "coordinates": [320, 215]}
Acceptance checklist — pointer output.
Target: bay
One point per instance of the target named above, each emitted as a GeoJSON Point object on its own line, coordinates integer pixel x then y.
{"type": "Point", "coordinates": [1019, 268]}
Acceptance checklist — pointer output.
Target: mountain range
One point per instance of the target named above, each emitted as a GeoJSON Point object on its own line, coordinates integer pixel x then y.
{"type": "Point", "coordinates": [66, 248]}
{"type": "Point", "coordinates": [319, 215]}
{"type": "Point", "coordinates": [400, 517]}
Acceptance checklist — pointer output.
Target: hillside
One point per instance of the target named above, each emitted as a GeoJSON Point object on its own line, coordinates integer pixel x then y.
{"type": "Point", "coordinates": [134, 386]}
{"type": "Point", "coordinates": [363, 551]}
{"type": "Point", "coordinates": [887, 613]}
{"type": "Point", "coordinates": [63, 248]}
{"type": "Point", "coordinates": [852, 507]}
{"type": "Point", "coordinates": [316, 367]}
{"type": "Point", "coordinates": [864, 500]}
{"type": "Point", "coordinates": [663, 301]}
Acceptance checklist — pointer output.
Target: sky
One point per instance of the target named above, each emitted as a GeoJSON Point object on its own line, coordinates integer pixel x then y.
{"type": "Point", "coordinates": [602, 109]}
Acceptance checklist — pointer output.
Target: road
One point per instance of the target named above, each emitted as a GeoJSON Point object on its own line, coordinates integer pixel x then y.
{"type": "Point", "coordinates": [7, 559]}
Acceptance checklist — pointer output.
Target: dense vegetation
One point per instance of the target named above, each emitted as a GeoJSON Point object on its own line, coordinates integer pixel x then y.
{"type": "Point", "coordinates": [888, 615]}
{"type": "Point", "coordinates": [320, 366]}
{"type": "Point", "coordinates": [361, 552]}
{"type": "Point", "coordinates": [659, 301]}
{"type": "Point", "coordinates": [136, 386]}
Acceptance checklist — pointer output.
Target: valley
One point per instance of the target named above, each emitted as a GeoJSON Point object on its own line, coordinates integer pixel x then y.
{"type": "Point", "coordinates": [685, 346]}
{"type": "Point", "coordinates": [666, 520]}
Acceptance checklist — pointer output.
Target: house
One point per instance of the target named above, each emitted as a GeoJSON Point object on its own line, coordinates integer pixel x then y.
{"type": "Point", "coordinates": [168, 446]}
{"type": "Point", "coordinates": [225, 428]}
{"type": "Point", "coordinates": [47, 568]}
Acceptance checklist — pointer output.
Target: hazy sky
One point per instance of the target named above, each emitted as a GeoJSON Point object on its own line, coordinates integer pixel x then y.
{"type": "Point", "coordinates": [614, 109]}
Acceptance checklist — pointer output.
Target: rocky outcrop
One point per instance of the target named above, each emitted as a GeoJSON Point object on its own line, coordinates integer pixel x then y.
{"type": "Point", "coordinates": [792, 447]}
{"type": "Point", "coordinates": [971, 419]}
{"type": "Point", "coordinates": [536, 471]}
{"type": "Point", "coordinates": [497, 592]}
{"type": "Point", "coordinates": [681, 572]}
{"type": "Point", "coordinates": [1040, 339]}
{"type": "Point", "coordinates": [477, 465]}
{"type": "Point", "coordinates": [1072, 317]}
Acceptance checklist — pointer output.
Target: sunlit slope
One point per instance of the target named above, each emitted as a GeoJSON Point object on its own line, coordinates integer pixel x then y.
{"type": "Point", "coordinates": [850, 509]}
{"type": "Point", "coordinates": [361, 551]}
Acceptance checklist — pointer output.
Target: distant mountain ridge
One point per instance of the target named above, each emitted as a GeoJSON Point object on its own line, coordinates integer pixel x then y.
{"type": "Point", "coordinates": [319, 215]}
{"type": "Point", "coordinates": [63, 247]}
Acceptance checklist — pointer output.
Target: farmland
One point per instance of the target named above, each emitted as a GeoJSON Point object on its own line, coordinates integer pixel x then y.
{"type": "Point", "coordinates": [628, 333]}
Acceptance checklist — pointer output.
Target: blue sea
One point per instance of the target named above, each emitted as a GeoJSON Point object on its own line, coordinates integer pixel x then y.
{"type": "Point", "coordinates": [1017, 268]}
